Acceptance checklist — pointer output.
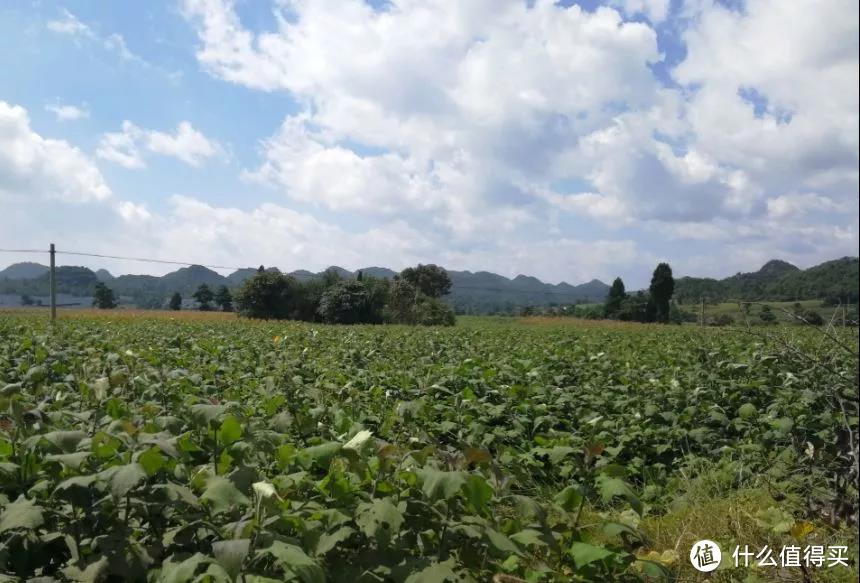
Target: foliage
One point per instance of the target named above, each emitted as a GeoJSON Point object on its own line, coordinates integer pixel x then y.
{"type": "Point", "coordinates": [224, 299]}
{"type": "Point", "coordinates": [175, 302]}
{"type": "Point", "coordinates": [766, 314]}
{"type": "Point", "coordinates": [661, 289]}
{"type": "Point", "coordinates": [241, 451]}
{"type": "Point", "coordinates": [266, 295]}
{"type": "Point", "coordinates": [616, 296]}
{"type": "Point", "coordinates": [103, 297]}
{"type": "Point", "coordinates": [834, 282]}
{"type": "Point", "coordinates": [204, 297]}
{"type": "Point", "coordinates": [350, 302]}
{"type": "Point", "coordinates": [431, 280]}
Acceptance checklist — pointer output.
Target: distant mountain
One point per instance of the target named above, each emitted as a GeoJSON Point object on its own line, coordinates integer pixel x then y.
{"type": "Point", "coordinates": [471, 292]}
{"type": "Point", "coordinates": [484, 292]}
{"type": "Point", "coordinates": [25, 270]}
{"type": "Point", "coordinates": [777, 281]}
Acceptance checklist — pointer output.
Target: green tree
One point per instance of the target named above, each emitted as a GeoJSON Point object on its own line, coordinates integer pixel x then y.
{"type": "Point", "coordinates": [431, 280]}
{"type": "Point", "coordinates": [661, 289]}
{"type": "Point", "coordinates": [766, 315]}
{"type": "Point", "coordinates": [175, 302]}
{"type": "Point", "coordinates": [224, 299]}
{"type": "Point", "coordinates": [617, 295]}
{"type": "Point", "coordinates": [26, 300]}
{"type": "Point", "coordinates": [401, 302]}
{"type": "Point", "coordinates": [349, 302]}
{"type": "Point", "coordinates": [103, 297]}
{"type": "Point", "coordinates": [267, 295]}
{"type": "Point", "coordinates": [432, 312]}
{"type": "Point", "coordinates": [204, 297]}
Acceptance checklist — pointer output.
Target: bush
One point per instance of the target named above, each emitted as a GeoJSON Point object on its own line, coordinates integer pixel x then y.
{"type": "Point", "coordinates": [267, 295]}
{"type": "Point", "coordinates": [432, 312]}
{"type": "Point", "coordinates": [811, 318]}
{"type": "Point", "coordinates": [349, 302]}
{"type": "Point", "coordinates": [722, 320]}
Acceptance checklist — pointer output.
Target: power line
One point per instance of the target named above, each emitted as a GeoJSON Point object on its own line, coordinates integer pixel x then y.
{"type": "Point", "coordinates": [24, 251]}
{"type": "Point", "coordinates": [571, 294]}
{"type": "Point", "coordinates": [148, 260]}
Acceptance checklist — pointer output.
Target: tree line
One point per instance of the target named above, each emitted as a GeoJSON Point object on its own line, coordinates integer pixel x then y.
{"type": "Point", "coordinates": [411, 297]}
{"type": "Point", "coordinates": [655, 305]}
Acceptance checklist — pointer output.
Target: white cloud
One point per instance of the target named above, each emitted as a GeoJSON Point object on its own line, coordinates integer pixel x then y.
{"type": "Point", "coordinates": [65, 112]}
{"type": "Point", "coordinates": [35, 167]}
{"type": "Point", "coordinates": [69, 24]}
{"type": "Point", "coordinates": [186, 144]}
{"type": "Point", "coordinates": [122, 147]}
{"type": "Point", "coordinates": [799, 204]}
{"type": "Point", "coordinates": [451, 119]}
{"type": "Point", "coordinates": [654, 10]}
{"type": "Point", "coordinates": [132, 212]}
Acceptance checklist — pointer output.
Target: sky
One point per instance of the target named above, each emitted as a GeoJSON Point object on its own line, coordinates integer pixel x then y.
{"type": "Point", "coordinates": [564, 140]}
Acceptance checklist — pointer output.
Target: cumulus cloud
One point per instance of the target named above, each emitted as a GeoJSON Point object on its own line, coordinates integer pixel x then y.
{"type": "Point", "coordinates": [65, 112]}
{"type": "Point", "coordinates": [32, 166]}
{"type": "Point", "coordinates": [69, 24]}
{"type": "Point", "coordinates": [186, 144]}
{"type": "Point", "coordinates": [504, 105]}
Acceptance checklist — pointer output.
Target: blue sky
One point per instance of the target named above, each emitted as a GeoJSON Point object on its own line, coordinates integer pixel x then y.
{"type": "Point", "coordinates": [562, 140]}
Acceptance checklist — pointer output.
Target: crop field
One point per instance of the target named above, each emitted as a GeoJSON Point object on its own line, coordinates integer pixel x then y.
{"type": "Point", "coordinates": [137, 448]}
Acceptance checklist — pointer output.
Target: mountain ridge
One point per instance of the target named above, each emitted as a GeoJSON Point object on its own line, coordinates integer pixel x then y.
{"type": "Point", "coordinates": [471, 292]}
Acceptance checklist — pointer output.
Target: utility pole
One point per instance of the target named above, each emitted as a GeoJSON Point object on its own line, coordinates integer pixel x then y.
{"type": "Point", "coordinates": [702, 317]}
{"type": "Point", "coordinates": [53, 284]}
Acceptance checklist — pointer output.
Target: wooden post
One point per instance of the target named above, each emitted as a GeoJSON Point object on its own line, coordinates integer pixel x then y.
{"type": "Point", "coordinates": [702, 317]}
{"type": "Point", "coordinates": [53, 284]}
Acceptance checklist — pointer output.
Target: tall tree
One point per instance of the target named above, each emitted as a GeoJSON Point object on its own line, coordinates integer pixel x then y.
{"type": "Point", "coordinates": [224, 299]}
{"type": "Point", "coordinates": [103, 297]}
{"type": "Point", "coordinates": [175, 302]}
{"type": "Point", "coordinates": [617, 295]}
{"type": "Point", "coordinates": [267, 295]}
{"type": "Point", "coordinates": [204, 297]}
{"type": "Point", "coordinates": [662, 287]}
{"type": "Point", "coordinates": [431, 280]}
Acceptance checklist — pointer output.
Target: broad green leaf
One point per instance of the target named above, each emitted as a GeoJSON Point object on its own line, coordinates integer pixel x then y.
{"type": "Point", "coordinates": [71, 460]}
{"type": "Point", "coordinates": [435, 573]}
{"type": "Point", "coordinates": [529, 538]}
{"type": "Point", "coordinates": [66, 441]}
{"type": "Point", "coordinates": [222, 495]}
{"type": "Point", "coordinates": [570, 498]}
{"type": "Point", "coordinates": [584, 553]}
{"type": "Point", "coordinates": [21, 513]}
{"type": "Point", "coordinates": [203, 413]}
{"type": "Point", "coordinates": [329, 541]}
{"type": "Point", "coordinates": [124, 478]}
{"type": "Point", "coordinates": [230, 554]}
{"type": "Point", "coordinates": [615, 487]}
{"type": "Point", "coordinates": [151, 460]}
{"type": "Point", "coordinates": [183, 571]}
{"type": "Point", "coordinates": [379, 518]}
{"type": "Point", "coordinates": [439, 484]}
{"type": "Point", "coordinates": [294, 560]}
{"type": "Point", "coordinates": [501, 543]}
{"type": "Point", "coordinates": [477, 492]}
{"type": "Point", "coordinates": [93, 572]}
{"type": "Point", "coordinates": [230, 431]}
{"type": "Point", "coordinates": [320, 454]}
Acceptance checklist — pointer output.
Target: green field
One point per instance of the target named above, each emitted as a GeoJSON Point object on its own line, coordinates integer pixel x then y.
{"type": "Point", "coordinates": [138, 447]}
